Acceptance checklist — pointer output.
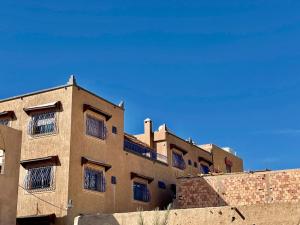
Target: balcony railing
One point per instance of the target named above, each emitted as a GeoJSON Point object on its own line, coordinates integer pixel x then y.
{"type": "Point", "coordinates": [144, 151]}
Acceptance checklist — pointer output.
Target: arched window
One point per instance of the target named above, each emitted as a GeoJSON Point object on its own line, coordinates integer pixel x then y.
{"type": "Point", "coordinates": [2, 161]}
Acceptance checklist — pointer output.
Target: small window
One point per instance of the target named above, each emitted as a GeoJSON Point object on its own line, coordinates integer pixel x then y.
{"type": "Point", "coordinates": [4, 122]}
{"type": "Point", "coordinates": [161, 185]}
{"type": "Point", "coordinates": [141, 192]}
{"type": "Point", "coordinates": [204, 169]}
{"type": "Point", "coordinates": [113, 180]}
{"type": "Point", "coordinates": [94, 180]}
{"type": "Point", "coordinates": [195, 164]}
{"type": "Point", "coordinates": [190, 162]}
{"type": "Point", "coordinates": [95, 127]}
{"type": "Point", "coordinates": [114, 130]}
{"type": "Point", "coordinates": [2, 161]}
{"type": "Point", "coordinates": [42, 124]}
{"type": "Point", "coordinates": [178, 161]}
{"type": "Point", "coordinates": [39, 178]}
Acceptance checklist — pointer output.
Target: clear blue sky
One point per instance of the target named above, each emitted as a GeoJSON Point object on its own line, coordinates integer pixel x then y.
{"type": "Point", "coordinates": [224, 72]}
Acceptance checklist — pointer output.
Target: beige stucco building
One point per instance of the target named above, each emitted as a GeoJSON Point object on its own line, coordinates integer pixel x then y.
{"type": "Point", "coordinates": [76, 158]}
{"type": "Point", "coordinates": [10, 149]}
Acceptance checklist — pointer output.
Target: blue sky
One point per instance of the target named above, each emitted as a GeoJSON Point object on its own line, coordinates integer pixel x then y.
{"type": "Point", "coordinates": [224, 72]}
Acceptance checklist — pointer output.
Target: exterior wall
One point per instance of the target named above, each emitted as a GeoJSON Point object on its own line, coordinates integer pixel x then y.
{"type": "Point", "coordinates": [10, 142]}
{"type": "Point", "coordinates": [44, 202]}
{"type": "Point", "coordinates": [219, 156]}
{"type": "Point", "coordinates": [264, 214]}
{"type": "Point", "coordinates": [239, 189]}
{"type": "Point", "coordinates": [118, 197]}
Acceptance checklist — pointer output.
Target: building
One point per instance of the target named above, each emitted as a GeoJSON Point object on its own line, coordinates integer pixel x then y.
{"type": "Point", "coordinates": [76, 158]}
{"type": "Point", "coordinates": [10, 150]}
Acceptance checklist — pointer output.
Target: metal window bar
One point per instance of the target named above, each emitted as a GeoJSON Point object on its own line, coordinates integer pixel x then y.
{"type": "Point", "coordinates": [96, 128]}
{"type": "Point", "coordinates": [146, 152]}
{"type": "Point", "coordinates": [141, 192]}
{"type": "Point", "coordinates": [4, 122]}
{"type": "Point", "coordinates": [39, 178]}
{"type": "Point", "coordinates": [42, 123]}
{"type": "Point", "coordinates": [178, 161]}
{"type": "Point", "coordinates": [94, 180]}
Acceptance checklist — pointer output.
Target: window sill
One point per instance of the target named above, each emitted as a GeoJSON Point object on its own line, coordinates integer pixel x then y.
{"type": "Point", "coordinates": [39, 191]}
{"type": "Point", "coordinates": [38, 136]}
{"type": "Point", "coordinates": [87, 191]}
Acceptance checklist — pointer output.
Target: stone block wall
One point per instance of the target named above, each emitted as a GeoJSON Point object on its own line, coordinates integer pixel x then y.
{"type": "Point", "coordinates": [239, 189]}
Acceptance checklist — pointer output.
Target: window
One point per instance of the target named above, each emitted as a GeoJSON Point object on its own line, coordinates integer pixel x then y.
{"type": "Point", "coordinates": [195, 164]}
{"type": "Point", "coordinates": [205, 169]}
{"type": "Point", "coordinates": [141, 192]}
{"type": "Point", "coordinates": [94, 180]}
{"type": "Point", "coordinates": [113, 180]}
{"type": "Point", "coordinates": [39, 178]}
{"type": "Point", "coordinates": [42, 123]}
{"type": "Point", "coordinates": [4, 122]}
{"type": "Point", "coordinates": [2, 161]}
{"type": "Point", "coordinates": [178, 161]}
{"type": "Point", "coordinates": [95, 127]}
{"type": "Point", "coordinates": [190, 162]}
{"type": "Point", "coordinates": [161, 185]}
{"type": "Point", "coordinates": [114, 130]}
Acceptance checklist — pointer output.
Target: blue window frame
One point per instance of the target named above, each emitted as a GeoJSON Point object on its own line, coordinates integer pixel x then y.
{"type": "Point", "coordinates": [141, 192]}
{"type": "Point", "coordinates": [94, 180]}
{"type": "Point", "coordinates": [178, 161]}
{"type": "Point", "coordinates": [161, 185]}
{"type": "Point", "coordinates": [205, 169]}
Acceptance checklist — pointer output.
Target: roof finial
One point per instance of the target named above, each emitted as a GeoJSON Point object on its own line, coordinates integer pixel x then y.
{"type": "Point", "coordinates": [72, 80]}
{"type": "Point", "coordinates": [122, 104]}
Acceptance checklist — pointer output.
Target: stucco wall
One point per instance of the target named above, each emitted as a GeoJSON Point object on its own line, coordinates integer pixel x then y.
{"type": "Point", "coordinates": [52, 201]}
{"type": "Point", "coordinates": [265, 214]}
{"type": "Point", "coordinates": [239, 189]}
{"type": "Point", "coordinates": [10, 142]}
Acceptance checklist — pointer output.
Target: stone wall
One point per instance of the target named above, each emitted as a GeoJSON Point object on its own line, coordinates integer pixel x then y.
{"type": "Point", "coordinates": [264, 214]}
{"type": "Point", "coordinates": [239, 189]}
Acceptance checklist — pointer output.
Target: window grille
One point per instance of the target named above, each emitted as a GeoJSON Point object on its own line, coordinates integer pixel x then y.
{"type": "Point", "coordinates": [43, 123]}
{"type": "Point", "coordinates": [178, 161]}
{"type": "Point", "coordinates": [4, 122]}
{"type": "Point", "coordinates": [40, 178]}
{"type": "Point", "coordinates": [141, 192]}
{"type": "Point", "coordinates": [205, 169]}
{"type": "Point", "coordinates": [94, 180]}
{"type": "Point", "coordinates": [95, 128]}
{"type": "Point", "coordinates": [2, 161]}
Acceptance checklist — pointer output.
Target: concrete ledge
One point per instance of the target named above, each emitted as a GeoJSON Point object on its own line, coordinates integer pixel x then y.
{"type": "Point", "coordinates": [263, 214]}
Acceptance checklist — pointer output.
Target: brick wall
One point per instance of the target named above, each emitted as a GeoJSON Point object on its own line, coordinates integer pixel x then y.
{"type": "Point", "coordinates": [239, 189]}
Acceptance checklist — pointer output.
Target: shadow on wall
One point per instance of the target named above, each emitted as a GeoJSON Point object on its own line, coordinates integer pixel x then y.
{"type": "Point", "coordinates": [98, 220]}
{"type": "Point", "coordinates": [198, 196]}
